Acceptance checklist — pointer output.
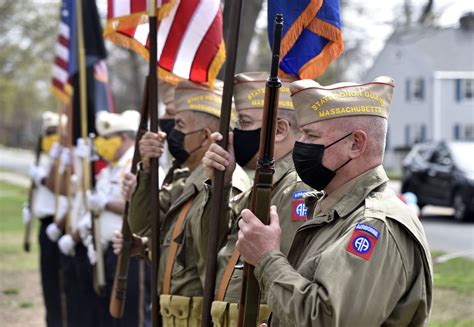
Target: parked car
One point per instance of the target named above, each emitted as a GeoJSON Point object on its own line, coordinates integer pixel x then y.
{"type": "Point", "coordinates": [442, 174]}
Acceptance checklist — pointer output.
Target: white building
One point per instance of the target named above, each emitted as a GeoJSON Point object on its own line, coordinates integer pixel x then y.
{"type": "Point", "coordinates": [433, 69]}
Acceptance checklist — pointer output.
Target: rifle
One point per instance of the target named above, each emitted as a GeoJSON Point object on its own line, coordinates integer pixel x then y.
{"type": "Point", "coordinates": [154, 191]}
{"type": "Point", "coordinates": [117, 300]}
{"type": "Point", "coordinates": [29, 203]}
{"type": "Point", "coordinates": [218, 200]}
{"type": "Point", "coordinates": [262, 185]}
{"type": "Point", "coordinates": [99, 269]}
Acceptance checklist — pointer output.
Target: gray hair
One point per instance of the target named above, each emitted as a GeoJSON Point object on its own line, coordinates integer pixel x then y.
{"type": "Point", "coordinates": [204, 120]}
{"type": "Point", "coordinates": [374, 127]}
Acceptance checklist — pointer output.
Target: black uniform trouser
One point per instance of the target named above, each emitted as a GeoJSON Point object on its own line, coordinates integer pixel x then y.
{"type": "Point", "coordinates": [50, 275]}
{"type": "Point", "coordinates": [84, 301]}
{"type": "Point", "coordinates": [133, 308]}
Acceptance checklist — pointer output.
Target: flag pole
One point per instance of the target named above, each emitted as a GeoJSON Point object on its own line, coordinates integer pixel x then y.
{"type": "Point", "coordinates": [154, 192]}
{"type": "Point", "coordinates": [99, 276]}
{"type": "Point", "coordinates": [57, 180]}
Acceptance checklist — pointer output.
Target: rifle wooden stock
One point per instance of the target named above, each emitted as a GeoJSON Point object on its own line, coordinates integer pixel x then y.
{"type": "Point", "coordinates": [99, 268]}
{"type": "Point", "coordinates": [218, 200]}
{"type": "Point", "coordinates": [119, 290]}
{"type": "Point", "coordinates": [27, 234]}
{"type": "Point", "coordinates": [263, 181]}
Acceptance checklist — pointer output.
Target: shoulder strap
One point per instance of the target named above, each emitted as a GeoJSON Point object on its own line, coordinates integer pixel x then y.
{"type": "Point", "coordinates": [229, 270]}
{"type": "Point", "coordinates": [173, 249]}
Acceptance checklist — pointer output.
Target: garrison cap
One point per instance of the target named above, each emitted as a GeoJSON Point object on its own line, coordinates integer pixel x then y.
{"type": "Point", "coordinates": [166, 91]}
{"type": "Point", "coordinates": [190, 96]}
{"type": "Point", "coordinates": [108, 123]}
{"type": "Point", "coordinates": [314, 102]}
{"type": "Point", "coordinates": [51, 119]}
{"type": "Point", "coordinates": [249, 91]}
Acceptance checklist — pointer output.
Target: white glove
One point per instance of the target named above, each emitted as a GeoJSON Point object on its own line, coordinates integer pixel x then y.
{"type": "Point", "coordinates": [66, 245]}
{"type": "Point", "coordinates": [53, 232]}
{"type": "Point", "coordinates": [37, 174]}
{"type": "Point", "coordinates": [91, 254]}
{"type": "Point", "coordinates": [26, 213]}
{"type": "Point", "coordinates": [85, 227]}
{"type": "Point", "coordinates": [74, 183]}
{"type": "Point", "coordinates": [55, 150]}
{"type": "Point", "coordinates": [96, 201]}
{"type": "Point", "coordinates": [65, 158]}
{"type": "Point", "coordinates": [82, 150]}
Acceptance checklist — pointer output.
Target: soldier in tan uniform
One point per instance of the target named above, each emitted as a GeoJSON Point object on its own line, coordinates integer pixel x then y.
{"type": "Point", "coordinates": [197, 116]}
{"type": "Point", "coordinates": [362, 258]}
{"type": "Point", "coordinates": [287, 187]}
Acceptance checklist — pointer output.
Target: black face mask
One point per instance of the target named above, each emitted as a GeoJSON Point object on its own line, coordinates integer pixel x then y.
{"type": "Point", "coordinates": [166, 125]}
{"type": "Point", "coordinates": [176, 145]}
{"type": "Point", "coordinates": [308, 160]}
{"type": "Point", "coordinates": [246, 145]}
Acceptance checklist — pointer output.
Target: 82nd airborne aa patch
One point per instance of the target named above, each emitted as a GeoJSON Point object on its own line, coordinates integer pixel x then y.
{"type": "Point", "coordinates": [298, 212]}
{"type": "Point", "coordinates": [363, 241]}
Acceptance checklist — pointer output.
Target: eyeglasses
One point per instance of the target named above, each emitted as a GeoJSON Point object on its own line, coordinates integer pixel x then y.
{"type": "Point", "coordinates": [245, 124]}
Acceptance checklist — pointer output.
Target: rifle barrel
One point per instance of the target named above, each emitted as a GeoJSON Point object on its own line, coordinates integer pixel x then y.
{"type": "Point", "coordinates": [218, 201]}
{"type": "Point", "coordinates": [263, 181]}
{"type": "Point", "coordinates": [117, 300]}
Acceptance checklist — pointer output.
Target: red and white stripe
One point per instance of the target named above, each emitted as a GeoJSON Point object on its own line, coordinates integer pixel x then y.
{"type": "Point", "coordinates": [189, 38]}
{"type": "Point", "coordinates": [60, 77]}
{"type": "Point", "coordinates": [120, 8]}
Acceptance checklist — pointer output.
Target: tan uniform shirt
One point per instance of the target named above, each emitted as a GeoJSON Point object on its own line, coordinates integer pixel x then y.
{"type": "Point", "coordinates": [362, 260]}
{"type": "Point", "coordinates": [287, 195]}
{"type": "Point", "coordinates": [188, 272]}
{"type": "Point", "coordinates": [139, 212]}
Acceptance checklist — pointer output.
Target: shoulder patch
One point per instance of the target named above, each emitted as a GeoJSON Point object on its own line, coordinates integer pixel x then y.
{"type": "Point", "coordinates": [363, 241]}
{"type": "Point", "coordinates": [299, 209]}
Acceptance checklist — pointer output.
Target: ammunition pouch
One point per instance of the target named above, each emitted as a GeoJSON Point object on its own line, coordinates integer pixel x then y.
{"type": "Point", "coordinates": [225, 314]}
{"type": "Point", "coordinates": [180, 311]}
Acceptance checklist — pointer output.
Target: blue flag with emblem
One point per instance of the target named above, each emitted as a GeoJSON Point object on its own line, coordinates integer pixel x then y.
{"type": "Point", "coordinates": [312, 36]}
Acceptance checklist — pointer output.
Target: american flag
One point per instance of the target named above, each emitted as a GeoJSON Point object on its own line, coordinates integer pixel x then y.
{"type": "Point", "coordinates": [190, 37]}
{"type": "Point", "coordinates": [61, 87]}
{"type": "Point", "coordinates": [65, 64]}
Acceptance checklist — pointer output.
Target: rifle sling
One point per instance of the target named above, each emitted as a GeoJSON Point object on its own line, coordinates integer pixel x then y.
{"type": "Point", "coordinates": [173, 249]}
{"type": "Point", "coordinates": [229, 270]}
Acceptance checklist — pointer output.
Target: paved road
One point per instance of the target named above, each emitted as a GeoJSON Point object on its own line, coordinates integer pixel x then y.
{"type": "Point", "coordinates": [444, 234]}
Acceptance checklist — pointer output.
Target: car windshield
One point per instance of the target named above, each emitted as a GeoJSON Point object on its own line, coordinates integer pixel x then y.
{"type": "Point", "coordinates": [463, 155]}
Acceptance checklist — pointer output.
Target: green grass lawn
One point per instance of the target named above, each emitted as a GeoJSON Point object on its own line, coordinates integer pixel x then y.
{"type": "Point", "coordinates": [454, 280]}
{"type": "Point", "coordinates": [12, 256]}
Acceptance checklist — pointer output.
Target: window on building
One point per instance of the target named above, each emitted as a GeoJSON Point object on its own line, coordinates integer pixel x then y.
{"type": "Point", "coordinates": [456, 131]}
{"type": "Point", "coordinates": [415, 133]}
{"type": "Point", "coordinates": [469, 132]}
{"type": "Point", "coordinates": [463, 132]}
{"type": "Point", "coordinates": [464, 90]}
{"type": "Point", "coordinates": [415, 89]}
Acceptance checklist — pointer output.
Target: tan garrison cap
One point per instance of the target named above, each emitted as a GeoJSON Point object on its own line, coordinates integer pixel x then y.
{"type": "Point", "coordinates": [166, 91]}
{"type": "Point", "coordinates": [108, 123]}
{"type": "Point", "coordinates": [249, 91]}
{"type": "Point", "coordinates": [199, 97]}
{"type": "Point", "coordinates": [314, 102]}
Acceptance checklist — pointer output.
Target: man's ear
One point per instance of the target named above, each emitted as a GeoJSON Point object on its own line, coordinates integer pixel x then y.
{"type": "Point", "coordinates": [282, 130]}
{"type": "Point", "coordinates": [207, 135]}
{"type": "Point", "coordinates": [359, 144]}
